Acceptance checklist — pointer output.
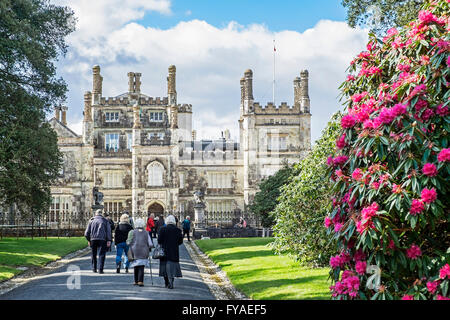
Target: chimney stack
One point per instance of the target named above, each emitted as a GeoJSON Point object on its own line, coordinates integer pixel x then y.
{"type": "Point", "coordinates": [97, 81]}
{"type": "Point", "coordinates": [64, 118]}
{"type": "Point", "coordinates": [248, 85]}
{"type": "Point", "coordinates": [171, 85]}
{"type": "Point", "coordinates": [87, 106]}
{"type": "Point", "coordinates": [57, 113]}
{"type": "Point", "coordinates": [304, 91]}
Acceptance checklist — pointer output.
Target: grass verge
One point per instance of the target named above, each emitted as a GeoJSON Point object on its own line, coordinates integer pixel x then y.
{"type": "Point", "coordinates": [255, 270]}
{"type": "Point", "coordinates": [37, 252]}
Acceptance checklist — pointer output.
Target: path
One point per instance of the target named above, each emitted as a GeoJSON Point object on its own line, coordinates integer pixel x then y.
{"type": "Point", "coordinates": [112, 286]}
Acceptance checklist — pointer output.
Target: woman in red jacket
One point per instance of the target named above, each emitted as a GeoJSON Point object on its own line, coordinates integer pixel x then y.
{"type": "Point", "coordinates": [151, 225]}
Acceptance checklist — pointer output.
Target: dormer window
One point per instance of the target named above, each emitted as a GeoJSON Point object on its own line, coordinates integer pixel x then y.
{"type": "Point", "coordinates": [112, 116]}
{"type": "Point", "coordinates": [156, 116]}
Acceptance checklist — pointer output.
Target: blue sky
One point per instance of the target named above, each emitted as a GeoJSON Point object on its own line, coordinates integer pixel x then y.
{"type": "Point", "coordinates": [276, 15]}
{"type": "Point", "coordinates": [211, 43]}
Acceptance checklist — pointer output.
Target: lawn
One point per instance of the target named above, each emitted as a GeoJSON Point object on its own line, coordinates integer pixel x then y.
{"type": "Point", "coordinates": [256, 271]}
{"type": "Point", "coordinates": [27, 252]}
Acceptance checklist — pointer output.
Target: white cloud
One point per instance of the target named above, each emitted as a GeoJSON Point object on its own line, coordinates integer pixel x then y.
{"type": "Point", "coordinates": [210, 62]}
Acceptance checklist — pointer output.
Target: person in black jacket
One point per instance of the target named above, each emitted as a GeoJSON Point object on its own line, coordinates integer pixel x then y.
{"type": "Point", "coordinates": [170, 238]}
{"type": "Point", "coordinates": [120, 238]}
{"type": "Point", "coordinates": [159, 224]}
{"type": "Point", "coordinates": [98, 235]}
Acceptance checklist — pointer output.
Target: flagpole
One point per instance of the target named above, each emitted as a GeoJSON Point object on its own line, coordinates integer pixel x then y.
{"type": "Point", "coordinates": [273, 84]}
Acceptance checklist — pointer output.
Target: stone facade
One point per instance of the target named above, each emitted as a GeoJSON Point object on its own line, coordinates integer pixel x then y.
{"type": "Point", "coordinates": [141, 151]}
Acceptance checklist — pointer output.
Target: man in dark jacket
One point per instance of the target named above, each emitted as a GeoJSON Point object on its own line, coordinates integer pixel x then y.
{"type": "Point", "coordinates": [98, 235]}
{"type": "Point", "coordinates": [187, 227]}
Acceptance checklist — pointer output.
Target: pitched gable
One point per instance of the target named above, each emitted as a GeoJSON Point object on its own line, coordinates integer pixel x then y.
{"type": "Point", "coordinates": [62, 130]}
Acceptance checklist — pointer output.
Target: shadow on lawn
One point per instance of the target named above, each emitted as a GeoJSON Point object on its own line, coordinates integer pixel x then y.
{"type": "Point", "coordinates": [242, 255]}
{"type": "Point", "coordinates": [317, 292]}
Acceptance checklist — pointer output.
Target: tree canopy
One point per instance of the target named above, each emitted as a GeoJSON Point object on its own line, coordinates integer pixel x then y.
{"type": "Point", "coordinates": [380, 15]}
{"type": "Point", "coordinates": [32, 37]}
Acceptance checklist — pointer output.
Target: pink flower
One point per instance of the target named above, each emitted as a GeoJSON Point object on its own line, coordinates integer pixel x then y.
{"type": "Point", "coordinates": [408, 297]}
{"type": "Point", "coordinates": [416, 207]}
{"type": "Point", "coordinates": [421, 104]}
{"type": "Point", "coordinates": [398, 110]}
{"type": "Point", "coordinates": [428, 195]}
{"type": "Point", "coordinates": [427, 114]}
{"type": "Point", "coordinates": [439, 297]}
{"type": "Point", "coordinates": [357, 174]}
{"type": "Point", "coordinates": [358, 97]}
{"type": "Point", "coordinates": [426, 17]}
{"type": "Point", "coordinates": [432, 286]}
{"type": "Point", "coordinates": [448, 61]}
{"type": "Point", "coordinates": [444, 272]}
{"type": "Point", "coordinates": [340, 143]}
{"type": "Point", "coordinates": [327, 222]}
{"type": "Point", "coordinates": [337, 227]}
{"type": "Point", "coordinates": [442, 111]}
{"type": "Point", "coordinates": [336, 262]}
{"type": "Point", "coordinates": [359, 255]}
{"type": "Point", "coordinates": [340, 160]}
{"type": "Point", "coordinates": [444, 155]}
{"type": "Point", "coordinates": [350, 78]}
{"type": "Point", "coordinates": [348, 121]}
{"type": "Point", "coordinates": [330, 161]}
{"type": "Point", "coordinates": [418, 89]}
{"type": "Point", "coordinates": [370, 211]}
{"type": "Point", "coordinates": [361, 267]}
{"type": "Point", "coordinates": [413, 252]}
{"type": "Point", "coordinates": [430, 170]}
{"type": "Point", "coordinates": [386, 116]}
{"type": "Point", "coordinates": [404, 67]}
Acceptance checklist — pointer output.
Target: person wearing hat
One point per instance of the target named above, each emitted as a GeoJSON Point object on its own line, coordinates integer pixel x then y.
{"type": "Point", "coordinates": [140, 244]}
{"type": "Point", "coordinates": [170, 239]}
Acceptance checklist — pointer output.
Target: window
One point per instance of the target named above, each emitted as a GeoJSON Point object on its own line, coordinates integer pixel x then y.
{"type": "Point", "coordinates": [129, 140]}
{"type": "Point", "coordinates": [156, 135]}
{"type": "Point", "coordinates": [182, 180]}
{"type": "Point", "coordinates": [112, 142]}
{"type": "Point", "coordinates": [59, 206]}
{"type": "Point", "coordinates": [155, 174]}
{"type": "Point", "coordinates": [112, 179]}
{"type": "Point", "coordinates": [276, 142]}
{"type": "Point", "coordinates": [220, 206]}
{"type": "Point", "coordinates": [156, 116]}
{"type": "Point", "coordinates": [219, 179]}
{"type": "Point", "coordinates": [112, 116]}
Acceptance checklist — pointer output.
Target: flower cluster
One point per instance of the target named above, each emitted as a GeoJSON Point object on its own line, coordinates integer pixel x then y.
{"type": "Point", "coordinates": [390, 172]}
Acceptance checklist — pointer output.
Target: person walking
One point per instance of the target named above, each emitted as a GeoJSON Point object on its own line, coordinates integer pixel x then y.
{"type": "Point", "coordinates": [113, 226]}
{"type": "Point", "coordinates": [170, 238]}
{"type": "Point", "coordinates": [186, 227]}
{"type": "Point", "coordinates": [151, 225]}
{"type": "Point", "coordinates": [140, 245]}
{"type": "Point", "coordinates": [98, 235]}
{"type": "Point", "coordinates": [120, 238]}
{"type": "Point", "coordinates": [161, 223]}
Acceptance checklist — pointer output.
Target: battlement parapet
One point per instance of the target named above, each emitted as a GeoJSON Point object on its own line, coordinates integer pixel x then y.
{"type": "Point", "coordinates": [270, 108]}
{"type": "Point", "coordinates": [143, 101]}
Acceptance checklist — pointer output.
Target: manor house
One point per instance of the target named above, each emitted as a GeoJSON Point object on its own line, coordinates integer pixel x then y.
{"type": "Point", "coordinates": [142, 153]}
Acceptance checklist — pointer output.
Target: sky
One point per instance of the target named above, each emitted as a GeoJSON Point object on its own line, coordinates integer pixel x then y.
{"type": "Point", "coordinates": [211, 43]}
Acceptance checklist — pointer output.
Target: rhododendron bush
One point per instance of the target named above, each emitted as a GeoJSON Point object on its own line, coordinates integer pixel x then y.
{"type": "Point", "coordinates": [390, 173]}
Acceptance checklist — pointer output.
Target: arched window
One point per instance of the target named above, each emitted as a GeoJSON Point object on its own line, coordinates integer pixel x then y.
{"type": "Point", "coordinates": [155, 174]}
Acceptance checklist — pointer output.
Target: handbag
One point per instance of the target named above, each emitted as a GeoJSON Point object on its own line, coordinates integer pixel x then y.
{"type": "Point", "coordinates": [130, 254]}
{"type": "Point", "coordinates": [158, 253]}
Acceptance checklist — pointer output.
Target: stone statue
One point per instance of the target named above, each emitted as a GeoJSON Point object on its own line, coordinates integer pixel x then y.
{"type": "Point", "coordinates": [98, 196]}
{"type": "Point", "coordinates": [198, 197]}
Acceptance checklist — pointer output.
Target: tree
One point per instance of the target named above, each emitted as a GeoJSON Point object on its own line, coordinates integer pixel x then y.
{"type": "Point", "coordinates": [390, 216]}
{"type": "Point", "coordinates": [266, 198]}
{"type": "Point", "coordinates": [380, 15]}
{"type": "Point", "coordinates": [304, 202]}
{"type": "Point", "coordinates": [32, 36]}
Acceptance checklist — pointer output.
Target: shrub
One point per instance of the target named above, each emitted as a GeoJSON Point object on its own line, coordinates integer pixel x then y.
{"type": "Point", "coordinates": [304, 202]}
{"type": "Point", "coordinates": [391, 178]}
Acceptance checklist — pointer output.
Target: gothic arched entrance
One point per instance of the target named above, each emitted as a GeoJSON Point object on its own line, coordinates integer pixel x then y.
{"type": "Point", "coordinates": [156, 209]}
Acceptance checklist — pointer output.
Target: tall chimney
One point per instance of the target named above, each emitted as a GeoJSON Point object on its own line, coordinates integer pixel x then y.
{"type": "Point", "coordinates": [130, 82]}
{"type": "Point", "coordinates": [97, 81]}
{"type": "Point", "coordinates": [304, 91]}
{"type": "Point", "coordinates": [64, 118]}
{"type": "Point", "coordinates": [248, 84]}
{"type": "Point", "coordinates": [297, 93]}
{"type": "Point", "coordinates": [171, 85]}
{"type": "Point", "coordinates": [87, 106]}
{"type": "Point", "coordinates": [137, 82]}
{"type": "Point", "coordinates": [57, 112]}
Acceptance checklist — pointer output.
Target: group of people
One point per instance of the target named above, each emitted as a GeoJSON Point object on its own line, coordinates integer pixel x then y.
{"type": "Point", "coordinates": [137, 237]}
